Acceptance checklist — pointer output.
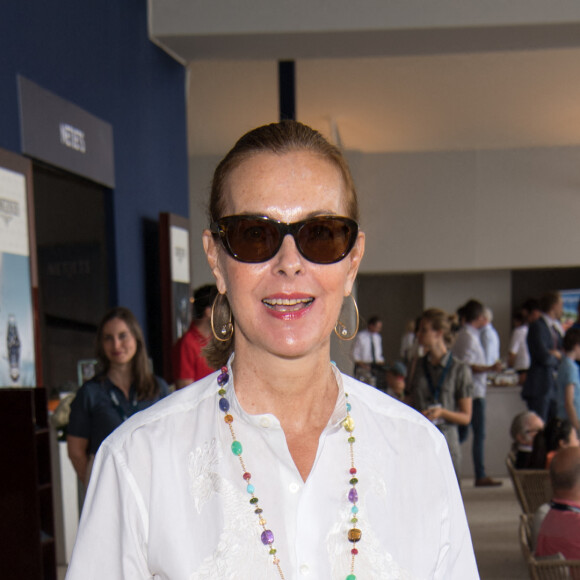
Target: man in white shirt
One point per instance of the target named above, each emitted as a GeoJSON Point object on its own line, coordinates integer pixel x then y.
{"type": "Point", "coordinates": [489, 338]}
{"type": "Point", "coordinates": [518, 353]}
{"type": "Point", "coordinates": [368, 353]}
{"type": "Point", "coordinates": [468, 348]}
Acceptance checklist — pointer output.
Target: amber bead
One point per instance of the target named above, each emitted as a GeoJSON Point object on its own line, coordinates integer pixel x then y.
{"type": "Point", "coordinates": [354, 535]}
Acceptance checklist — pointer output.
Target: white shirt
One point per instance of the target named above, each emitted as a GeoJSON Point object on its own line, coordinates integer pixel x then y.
{"type": "Point", "coordinates": [490, 341]}
{"type": "Point", "coordinates": [167, 499]}
{"type": "Point", "coordinates": [407, 342]}
{"type": "Point", "coordinates": [553, 324]}
{"type": "Point", "coordinates": [519, 348]}
{"type": "Point", "coordinates": [362, 351]}
{"type": "Point", "coordinates": [468, 348]}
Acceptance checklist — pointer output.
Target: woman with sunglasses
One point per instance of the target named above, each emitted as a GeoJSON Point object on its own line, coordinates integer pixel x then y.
{"type": "Point", "coordinates": [277, 466]}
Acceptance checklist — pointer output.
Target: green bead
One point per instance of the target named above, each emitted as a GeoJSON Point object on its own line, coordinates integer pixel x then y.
{"type": "Point", "coordinates": [272, 551]}
{"type": "Point", "coordinates": [254, 500]}
{"type": "Point", "coordinates": [354, 520]}
{"type": "Point", "coordinates": [351, 439]}
{"type": "Point", "coordinates": [353, 481]}
{"type": "Point", "coordinates": [351, 577]}
{"type": "Point", "coordinates": [221, 392]}
{"type": "Point", "coordinates": [236, 448]}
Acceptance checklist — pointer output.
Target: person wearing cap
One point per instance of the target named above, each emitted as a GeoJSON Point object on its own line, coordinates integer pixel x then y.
{"type": "Point", "coordinates": [395, 379]}
{"type": "Point", "coordinates": [189, 364]}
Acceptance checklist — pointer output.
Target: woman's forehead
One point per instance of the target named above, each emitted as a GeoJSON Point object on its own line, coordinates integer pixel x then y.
{"type": "Point", "coordinates": [295, 182]}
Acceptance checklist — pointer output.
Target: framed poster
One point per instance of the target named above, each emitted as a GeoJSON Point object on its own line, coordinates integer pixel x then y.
{"type": "Point", "coordinates": [570, 299]}
{"type": "Point", "coordinates": [19, 340]}
{"type": "Point", "coordinates": [175, 283]}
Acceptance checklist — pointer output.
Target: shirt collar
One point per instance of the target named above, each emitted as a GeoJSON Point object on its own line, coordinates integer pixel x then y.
{"type": "Point", "coordinates": [269, 419]}
{"type": "Point", "coordinates": [443, 361]}
{"type": "Point", "coordinates": [567, 502]}
{"type": "Point", "coordinates": [472, 330]}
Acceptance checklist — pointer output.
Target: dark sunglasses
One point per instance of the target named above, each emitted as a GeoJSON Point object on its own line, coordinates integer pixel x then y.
{"type": "Point", "coordinates": [323, 239]}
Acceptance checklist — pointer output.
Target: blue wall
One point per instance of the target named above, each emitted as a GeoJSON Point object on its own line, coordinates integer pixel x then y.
{"type": "Point", "coordinates": [96, 54]}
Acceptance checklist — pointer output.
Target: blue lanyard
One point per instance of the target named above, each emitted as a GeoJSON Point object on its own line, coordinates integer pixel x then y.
{"type": "Point", "coordinates": [564, 507]}
{"type": "Point", "coordinates": [436, 391]}
{"type": "Point", "coordinates": [119, 408]}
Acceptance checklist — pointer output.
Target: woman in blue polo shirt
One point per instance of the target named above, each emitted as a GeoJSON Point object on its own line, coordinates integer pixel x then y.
{"type": "Point", "coordinates": [124, 386]}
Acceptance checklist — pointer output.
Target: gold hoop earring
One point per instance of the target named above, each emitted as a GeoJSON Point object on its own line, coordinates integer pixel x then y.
{"type": "Point", "coordinates": [340, 327]}
{"type": "Point", "coordinates": [225, 329]}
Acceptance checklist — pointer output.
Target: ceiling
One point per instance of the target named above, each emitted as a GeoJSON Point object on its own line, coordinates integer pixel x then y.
{"type": "Point", "coordinates": [506, 87]}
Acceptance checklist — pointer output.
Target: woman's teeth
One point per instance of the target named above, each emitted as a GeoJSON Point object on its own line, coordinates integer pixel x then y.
{"type": "Point", "coordinates": [284, 304]}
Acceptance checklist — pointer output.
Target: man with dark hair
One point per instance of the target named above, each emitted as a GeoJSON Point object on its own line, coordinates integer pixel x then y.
{"type": "Point", "coordinates": [189, 365]}
{"type": "Point", "coordinates": [560, 529]}
{"type": "Point", "coordinates": [468, 349]}
{"type": "Point", "coordinates": [368, 354]}
{"type": "Point", "coordinates": [531, 310]}
{"type": "Point", "coordinates": [544, 343]}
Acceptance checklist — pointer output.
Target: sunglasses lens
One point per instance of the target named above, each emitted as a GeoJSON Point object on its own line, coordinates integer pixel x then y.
{"type": "Point", "coordinates": [323, 240]}
{"type": "Point", "coordinates": [252, 240]}
{"type": "Point", "coordinates": [327, 240]}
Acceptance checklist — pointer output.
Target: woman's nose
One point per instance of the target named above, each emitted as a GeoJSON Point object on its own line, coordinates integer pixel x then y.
{"type": "Point", "coordinates": [289, 261]}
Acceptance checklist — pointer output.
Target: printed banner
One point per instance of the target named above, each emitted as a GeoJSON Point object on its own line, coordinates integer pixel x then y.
{"type": "Point", "coordinates": [17, 360]}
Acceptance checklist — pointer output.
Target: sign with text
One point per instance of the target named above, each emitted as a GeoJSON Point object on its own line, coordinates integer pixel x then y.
{"type": "Point", "coordinates": [62, 134]}
{"type": "Point", "coordinates": [17, 355]}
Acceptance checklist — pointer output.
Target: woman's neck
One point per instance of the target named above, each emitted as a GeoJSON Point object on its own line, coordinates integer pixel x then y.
{"type": "Point", "coordinates": [295, 390]}
{"type": "Point", "coordinates": [436, 352]}
{"type": "Point", "coordinates": [121, 376]}
{"type": "Point", "coordinates": [300, 392]}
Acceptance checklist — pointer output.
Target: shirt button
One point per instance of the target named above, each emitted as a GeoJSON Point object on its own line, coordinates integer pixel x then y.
{"type": "Point", "coordinates": [304, 570]}
{"type": "Point", "coordinates": [293, 487]}
{"type": "Point", "coordinates": [265, 422]}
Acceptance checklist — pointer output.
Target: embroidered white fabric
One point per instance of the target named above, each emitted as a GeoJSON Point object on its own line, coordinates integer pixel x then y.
{"type": "Point", "coordinates": [167, 500]}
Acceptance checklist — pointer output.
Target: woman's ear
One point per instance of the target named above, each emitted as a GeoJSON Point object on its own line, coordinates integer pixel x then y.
{"type": "Point", "coordinates": [355, 257]}
{"type": "Point", "coordinates": [212, 253]}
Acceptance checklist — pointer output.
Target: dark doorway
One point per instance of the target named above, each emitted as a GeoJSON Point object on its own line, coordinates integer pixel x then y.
{"type": "Point", "coordinates": [72, 217]}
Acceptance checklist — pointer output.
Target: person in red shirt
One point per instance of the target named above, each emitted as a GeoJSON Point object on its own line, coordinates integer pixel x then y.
{"type": "Point", "coordinates": [189, 364]}
{"type": "Point", "coordinates": [560, 529]}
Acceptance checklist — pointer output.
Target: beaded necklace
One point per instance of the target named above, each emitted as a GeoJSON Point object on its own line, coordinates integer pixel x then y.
{"type": "Point", "coordinates": [267, 536]}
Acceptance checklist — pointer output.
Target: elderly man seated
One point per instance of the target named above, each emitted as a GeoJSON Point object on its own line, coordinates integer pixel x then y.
{"type": "Point", "coordinates": [525, 426]}
{"type": "Point", "coordinates": [560, 529]}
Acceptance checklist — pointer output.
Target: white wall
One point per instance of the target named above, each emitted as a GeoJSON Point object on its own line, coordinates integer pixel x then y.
{"type": "Point", "coordinates": [201, 169]}
{"type": "Point", "coordinates": [467, 210]}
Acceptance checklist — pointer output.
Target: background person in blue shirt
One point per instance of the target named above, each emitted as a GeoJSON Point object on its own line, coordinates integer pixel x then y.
{"type": "Point", "coordinates": [568, 379]}
{"type": "Point", "coordinates": [124, 385]}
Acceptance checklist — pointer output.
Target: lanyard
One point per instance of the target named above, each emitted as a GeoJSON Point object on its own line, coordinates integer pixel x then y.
{"type": "Point", "coordinates": [436, 391]}
{"type": "Point", "coordinates": [564, 507]}
{"type": "Point", "coordinates": [119, 408]}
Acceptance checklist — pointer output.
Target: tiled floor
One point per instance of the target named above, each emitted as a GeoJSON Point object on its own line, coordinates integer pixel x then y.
{"type": "Point", "coordinates": [493, 514]}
